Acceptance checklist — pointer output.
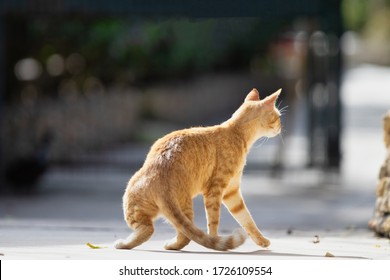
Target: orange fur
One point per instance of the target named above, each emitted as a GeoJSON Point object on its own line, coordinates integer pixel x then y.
{"type": "Point", "coordinates": [200, 160]}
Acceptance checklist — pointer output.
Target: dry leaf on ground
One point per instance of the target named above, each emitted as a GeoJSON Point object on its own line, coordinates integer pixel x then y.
{"type": "Point", "coordinates": [330, 255]}
{"type": "Point", "coordinates": [94, 246]}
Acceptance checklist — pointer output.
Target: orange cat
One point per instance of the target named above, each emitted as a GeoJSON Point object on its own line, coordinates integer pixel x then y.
{"type": "Point", "coordinates": [200, 160]}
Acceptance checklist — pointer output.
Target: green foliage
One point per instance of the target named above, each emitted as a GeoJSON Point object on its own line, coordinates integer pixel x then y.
{"type": "Point", "coordinates": [355, 13]}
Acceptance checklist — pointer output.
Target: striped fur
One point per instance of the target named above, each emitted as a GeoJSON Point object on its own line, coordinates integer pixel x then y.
{"type": "Point", "coordinates": [202, 160]}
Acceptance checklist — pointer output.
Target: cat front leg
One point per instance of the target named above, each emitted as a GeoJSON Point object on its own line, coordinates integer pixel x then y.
{"type": "Point", "coordinates": [233, 200]}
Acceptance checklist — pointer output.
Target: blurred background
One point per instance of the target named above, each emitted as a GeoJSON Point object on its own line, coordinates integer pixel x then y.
{"type": "Point", "coordinates": [87, 86]}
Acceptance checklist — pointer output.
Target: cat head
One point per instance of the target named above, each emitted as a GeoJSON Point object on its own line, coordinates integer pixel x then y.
{"type": "Point", "coordinates": [260, 115]}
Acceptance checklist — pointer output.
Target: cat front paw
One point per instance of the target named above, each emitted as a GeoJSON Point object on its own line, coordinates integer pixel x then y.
{"type": "Point", "coordinates": [263, 242]}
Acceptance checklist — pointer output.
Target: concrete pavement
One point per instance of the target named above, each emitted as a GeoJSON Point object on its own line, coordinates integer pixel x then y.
{"type": "Point", "coordinates": [62, 244]}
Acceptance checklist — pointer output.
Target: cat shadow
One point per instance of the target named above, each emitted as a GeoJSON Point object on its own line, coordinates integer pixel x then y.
{"type": "Point", "coordinates": [265, 253]}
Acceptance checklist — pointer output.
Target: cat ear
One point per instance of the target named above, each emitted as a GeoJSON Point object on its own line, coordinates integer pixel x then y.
{"type": "Point", "coordinates": [271, 99]}
{"type": "Point", "coordinates": [253, 96]}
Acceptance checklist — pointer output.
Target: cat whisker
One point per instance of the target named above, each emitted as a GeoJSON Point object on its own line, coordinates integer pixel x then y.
{"type": "Point", "coordinates": [281, 138]}
{"type": "Point", "coordinates": [262, 141]}
{"type": "Point", "coordinates": [280, 103]}
{"type": "Point", "coordinates": [283, 110]}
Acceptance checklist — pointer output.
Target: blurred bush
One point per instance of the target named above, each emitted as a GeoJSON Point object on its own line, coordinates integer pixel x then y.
{"type": "Point", "coordinates": [370, 22]}
{"type": "Point", "coordinates": [131, 52]}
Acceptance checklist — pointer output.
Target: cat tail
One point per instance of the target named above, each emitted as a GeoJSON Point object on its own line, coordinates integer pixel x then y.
{"type": "Point", "coordinates": [180, 221]}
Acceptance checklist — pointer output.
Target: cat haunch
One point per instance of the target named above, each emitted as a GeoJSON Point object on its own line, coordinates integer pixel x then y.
{"type": "Point", "coordinates": [200, 160]}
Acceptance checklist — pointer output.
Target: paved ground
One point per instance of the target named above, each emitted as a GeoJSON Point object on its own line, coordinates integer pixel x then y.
{"type": "Point", "coordinates": [76, 206]}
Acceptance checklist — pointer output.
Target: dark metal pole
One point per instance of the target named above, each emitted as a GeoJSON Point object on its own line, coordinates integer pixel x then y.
{"type": "Point", "coordinates": [2, 99]}
{"type": "Point", "coordinates": [324, 83]}
{"type": "Point", "coordinates": [334, 110]}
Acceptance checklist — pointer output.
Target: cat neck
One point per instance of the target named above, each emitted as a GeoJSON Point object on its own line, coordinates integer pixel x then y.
{"type": "Point", "coordinates": [246, 131]}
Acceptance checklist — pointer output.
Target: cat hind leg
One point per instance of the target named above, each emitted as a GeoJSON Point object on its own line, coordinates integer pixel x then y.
{"type": "Point", "coordinates": [143, 229]}
{"type": "Point", "coordinates": [139, 217]}
{"type": "Point", "coordinates": [180, 240]}
{"type": "Point", "coordinates": [141, 234]}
